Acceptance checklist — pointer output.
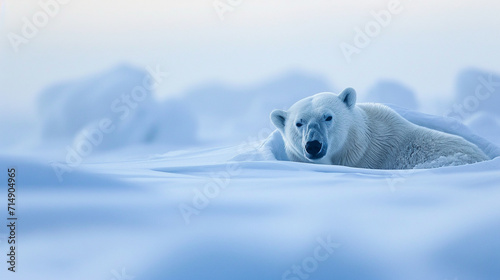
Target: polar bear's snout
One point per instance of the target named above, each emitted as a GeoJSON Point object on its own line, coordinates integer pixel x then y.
{"type": "Point", "coordinates": [315, 147]}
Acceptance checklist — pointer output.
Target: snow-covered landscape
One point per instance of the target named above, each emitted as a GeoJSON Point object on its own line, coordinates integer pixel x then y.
{"type": "Point", "coordinates": [239, 211]}
{"type": "Point", "coordinates": [116, 179]}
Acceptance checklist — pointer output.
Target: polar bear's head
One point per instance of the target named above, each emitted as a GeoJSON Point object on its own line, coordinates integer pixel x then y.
{"type": "Point", "coordinates": [316, 127]}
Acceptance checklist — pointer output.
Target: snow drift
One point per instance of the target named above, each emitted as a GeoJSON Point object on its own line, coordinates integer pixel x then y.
{"type": "Point", "coordinates": [391, 92]}
{"type": "Point", "coordinates": [476, 91]}
{"type": "Point", "coordinates": [123, 98]}
{"type": "Point", "coordinates": [197, 214]}
{"type": "Point", "coordinates": [72, 111]}
{"type": "Point", "coordinates": [241, 212]}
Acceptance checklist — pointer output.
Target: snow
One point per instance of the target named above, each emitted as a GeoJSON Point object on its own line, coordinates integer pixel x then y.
{"type": "Point", "coordinates": [123, 96]}
{"type": "Point", "coordinates": [163, 209]}
{"type": "Point", "coordinates": [486, 125]}
{"type": "Point", "coordinates": [256, 221]}
{"type": "Point", "coordinates": [73, 109]}
{"type": "Point", "coordinates": [222, 111]}
{"type": "Point", "coordinates": [392, 92]}
{"type": "Point", "coordinates": [477, 91]}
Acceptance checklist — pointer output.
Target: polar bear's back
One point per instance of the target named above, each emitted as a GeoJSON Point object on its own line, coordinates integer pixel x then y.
{"type": "Point", "coordinates": [400, 144]}
{"type": "Point", "coordinates": [432, 148]}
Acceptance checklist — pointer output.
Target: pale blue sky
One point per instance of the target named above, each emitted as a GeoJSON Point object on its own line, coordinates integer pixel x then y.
{"type": "Point", "coordinates": [424, 46]}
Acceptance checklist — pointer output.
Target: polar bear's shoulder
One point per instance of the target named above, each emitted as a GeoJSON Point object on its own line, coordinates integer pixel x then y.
{"type": "Point", "coordinates": [376, 113]}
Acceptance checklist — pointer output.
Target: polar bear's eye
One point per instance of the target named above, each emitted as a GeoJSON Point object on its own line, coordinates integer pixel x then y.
{"type": "Point", "coordinates": [298, 124]}
{"type": "Point", "coordinates": [329, 118]}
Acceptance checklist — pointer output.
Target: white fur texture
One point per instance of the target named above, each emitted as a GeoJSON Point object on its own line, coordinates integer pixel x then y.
{"type": "Point", "coordinates": [366, 135]}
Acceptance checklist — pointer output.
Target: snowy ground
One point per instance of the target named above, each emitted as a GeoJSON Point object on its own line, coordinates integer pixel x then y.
{"type": "Point", "coordinates": [143, 149]}
{"type": "Point", "coordinates": [237, 213]}
{"type": "Point", "coordinates": [161, 197]}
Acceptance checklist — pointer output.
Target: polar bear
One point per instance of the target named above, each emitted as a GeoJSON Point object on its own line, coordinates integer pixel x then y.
{"type": "Point", "coordinates": [332, 129]}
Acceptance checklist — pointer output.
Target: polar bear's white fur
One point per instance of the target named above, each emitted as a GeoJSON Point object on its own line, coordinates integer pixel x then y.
{"type": "Point", "coordinates": [332, 129]}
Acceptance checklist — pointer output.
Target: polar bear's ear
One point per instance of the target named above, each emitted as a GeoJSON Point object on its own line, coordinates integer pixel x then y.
{"type": "Point", "coordinates": [278, 117]}
{"type": "Point", "coordinates": [348, 96]}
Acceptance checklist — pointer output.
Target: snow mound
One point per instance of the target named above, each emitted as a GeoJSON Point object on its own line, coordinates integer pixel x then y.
{"type": "Point", "coordinates": [113, 109]}
{"type": "Point", "coordinates": [80, 112]}
{"type": "Point", "coordinates": [476, 91]}
{"type": "Point", "coordinates": [487, 125]}
{"type": "Point", "coordinates": [392, 92]}
{"type": "Point", "coordinates": [68, 107]}
{"type": "Point", "coordinates": [273, 147]}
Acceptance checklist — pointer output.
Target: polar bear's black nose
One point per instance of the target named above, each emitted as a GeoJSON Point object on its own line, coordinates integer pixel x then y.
{"type": "Point", "coordinates": [313, 147]}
